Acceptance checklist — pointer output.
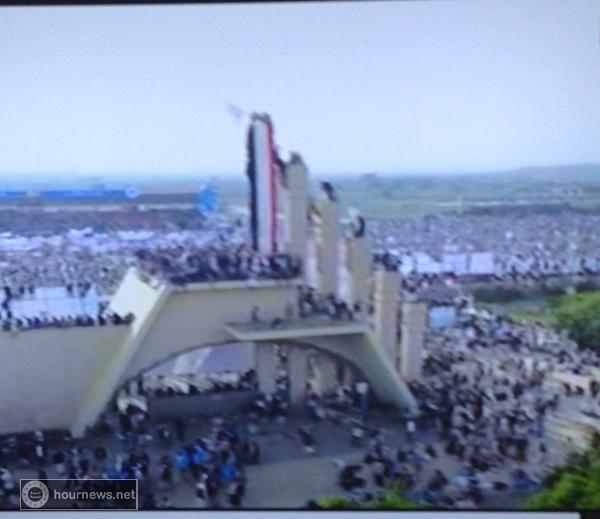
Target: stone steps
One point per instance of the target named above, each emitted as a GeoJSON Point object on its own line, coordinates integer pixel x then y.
{"type": "Point", "coordinates": [560, 377]}
{"type": "Point", "coordinates": [574, 431]}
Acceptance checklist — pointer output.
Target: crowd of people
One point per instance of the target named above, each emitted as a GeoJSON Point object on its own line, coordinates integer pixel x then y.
{"type": "Point", "coordinates": [183, 265]}
{"type": "Point", "coordinates": [522, 246]}
{"type": "Point", "coordinates": [311, 302]}
{"type": "Point", "coordinates": [217, 382]}
{"type": "Point", "coordinates": [34, 221]}
{"type": "Point", "coordinates": [484, 399]}
{"type": "Point", "coordinates": [83, 262]}
{"type": "Point", "coordinates": [99, 257]}
{"type": "Point", "coordinates": [534, 246]}
{"type": "Point", "coordinates": [485, 396]}
{"type": "Point", "coordinates": [162, 456]}
{"type": "Point", "coordinates": [19, 324]}
{"type": "Point", "coordinates": [487, 389]}
{"type": "Point", "coordinates": [28, 316]}
{"type": "Point", "coordinates": [64, 266]}
{"type": "Point", "coordinates": [213, 464]}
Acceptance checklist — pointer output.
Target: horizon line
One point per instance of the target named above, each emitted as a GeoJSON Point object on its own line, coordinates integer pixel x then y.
{"type": "Point", "coordinates": [188, 173]}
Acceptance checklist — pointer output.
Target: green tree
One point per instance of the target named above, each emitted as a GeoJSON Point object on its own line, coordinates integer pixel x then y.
{"type": "Point", "coordinates": [573, 486]}
{"type": "Point", "coordinates": [393, 499]}
{"type": "Point", "coordinates": [338, 503]}
{"type": "Point", "coordinates": [579, 314]}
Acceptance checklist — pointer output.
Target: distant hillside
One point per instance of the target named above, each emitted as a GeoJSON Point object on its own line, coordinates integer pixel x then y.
{"type": "Point", "coordinates": [581, 172]}
{"type": "Point", "coordinates": [586, 173]}
{"type": "Point", "coordinates": [541, 189]}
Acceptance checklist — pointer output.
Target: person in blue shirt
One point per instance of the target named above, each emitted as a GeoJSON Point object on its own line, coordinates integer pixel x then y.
{"type": "Point", "coordinates": [182, 460]}
{"type": "Point", "coordinates": [228, 472]}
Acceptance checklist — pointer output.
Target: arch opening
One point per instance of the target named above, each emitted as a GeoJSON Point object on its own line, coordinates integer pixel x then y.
{"type": "Point", "coordinates": [203, 381]}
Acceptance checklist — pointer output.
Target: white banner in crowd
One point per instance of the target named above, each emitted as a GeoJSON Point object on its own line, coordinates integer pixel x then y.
{"type": "Point", "coordinates": [482, 263]}
{"type": "Point", "coordinates": [427, 265]}
{"type": "Point", "coordinates": [126, 240]}
{"type": "Point", "coordinates": [56, 302]}
{"type": "Point", "coordinates": [455, 263]}
{"type": "Point", "coordinates": [407, 264]}
{"type": "Point", "coordinates": [17, 244]}
{"type": "Point", "coordinates": [477, 263]}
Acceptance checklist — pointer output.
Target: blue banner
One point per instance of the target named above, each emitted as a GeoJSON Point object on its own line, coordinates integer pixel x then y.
{"type": "Point", "coordinates": [85, 193]}
{"type": "Point", "coordinates": [12, 194]}
{"type": "Point", "coordinates": [206, 202]}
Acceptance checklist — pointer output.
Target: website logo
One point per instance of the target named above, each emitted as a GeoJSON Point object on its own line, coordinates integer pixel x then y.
{"type": "Point", "coordinates": [34, 494]}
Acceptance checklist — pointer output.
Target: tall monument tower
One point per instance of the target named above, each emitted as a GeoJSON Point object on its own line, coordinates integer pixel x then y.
{"type": "Point", "coordinates": [386, 296]}
{"type": "Point", "coordinates": [295, 177]}
{"type": "Point", "coordinates": [328, 236]}
{"type": "Point", "coordinates": [358, 265]}
{"type": "Point", "coordinates": [262, 170]}
{"type": "Point", "coordinates": [414, 325]}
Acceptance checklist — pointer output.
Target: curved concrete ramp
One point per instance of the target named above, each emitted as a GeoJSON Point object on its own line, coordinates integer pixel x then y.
{"type": "Point", "coordinates": [349, 340]}
{"type": "Point", "coordinates": [362, 351]}
{"type": "Point", "coordinates": [145, 302]}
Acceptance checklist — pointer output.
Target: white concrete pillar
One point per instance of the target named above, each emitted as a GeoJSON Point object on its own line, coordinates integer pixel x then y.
{"type": "Point", "coordinates": [296, 207]}
{"type": "Point", "coordinates": [133, 387]}
{"type": "Point", "coordinates": [348, 376]}
{"type": "Point", "coordinates": [325, 375]}
{"type": "Point", "coordinates": [328, 246]}
{"type": "Point", "coordinates": [311, 275]}
{"type": "Point", "coordinates": [266, 365]}
{"type": "Point", "coordinates": [414, 324]}
{"type": "Point", "coordinates": [358, 263]}
{"type": "Point", "coordinates": [387, 294]}
{"type": "Point", "coordinates": [298, 371]}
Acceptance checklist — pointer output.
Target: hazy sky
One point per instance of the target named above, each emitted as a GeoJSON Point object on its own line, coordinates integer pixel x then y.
{"type": "Point", "coordinates": [423, 85]}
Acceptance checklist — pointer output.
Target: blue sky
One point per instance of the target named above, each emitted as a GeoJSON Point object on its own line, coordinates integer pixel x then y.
{"type": "Point", "coordinates": [390, 86]}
